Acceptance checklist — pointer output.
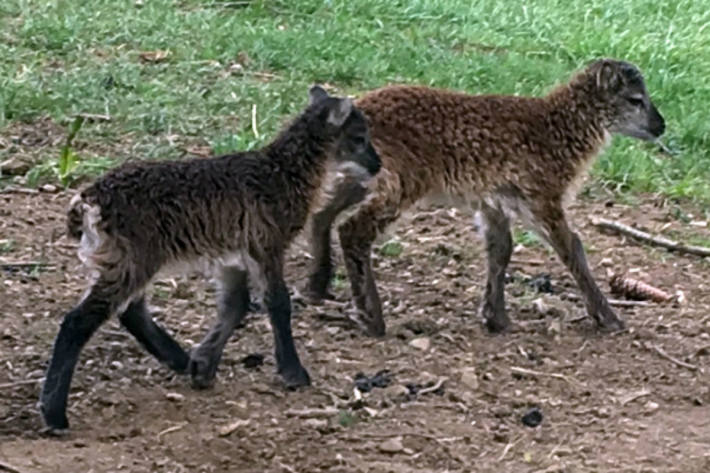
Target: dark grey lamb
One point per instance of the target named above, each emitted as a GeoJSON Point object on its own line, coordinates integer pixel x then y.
{"type": "Point", "coordinates": [234, 214]}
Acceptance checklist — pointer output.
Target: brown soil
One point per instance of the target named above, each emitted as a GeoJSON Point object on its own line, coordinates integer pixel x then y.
{"type": "Point", "coordinates": [610, 402]}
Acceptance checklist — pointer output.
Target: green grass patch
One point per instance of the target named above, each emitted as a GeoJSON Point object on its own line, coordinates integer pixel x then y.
{"type": "Point", "coordinates": [391, 249]}
{"type": "Point", "coordinates": [64, 57]}
{"type": "Point", "coordinates": [7, 245]}
{"type": "Point", "coordinates": [527, 238]}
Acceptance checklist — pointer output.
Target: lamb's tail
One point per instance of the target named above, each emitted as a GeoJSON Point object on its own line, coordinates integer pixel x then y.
{"type": "Point", "coordinates": [75, 217]}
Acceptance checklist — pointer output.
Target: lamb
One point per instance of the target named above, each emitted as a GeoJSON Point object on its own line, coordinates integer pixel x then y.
{"type": "Point", "coordinates": [235, 214]}
{"type": "Point", "coordinates": [501, 155]}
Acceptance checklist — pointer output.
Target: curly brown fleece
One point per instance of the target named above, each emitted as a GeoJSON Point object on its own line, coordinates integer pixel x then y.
{"type": "Point", "coordinates": [499, 154]}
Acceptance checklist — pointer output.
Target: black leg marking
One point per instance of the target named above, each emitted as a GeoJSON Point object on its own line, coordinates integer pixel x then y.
{"type": "Point", "coordinates": [154, 338]}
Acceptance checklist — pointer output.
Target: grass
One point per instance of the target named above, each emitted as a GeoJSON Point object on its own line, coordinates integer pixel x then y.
{"type": "Point", "coordinates": [64, 57]}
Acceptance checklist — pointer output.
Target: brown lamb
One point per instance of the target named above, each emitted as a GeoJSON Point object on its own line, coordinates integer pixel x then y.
{"type": "Point", "coordinates": [501, 155]}
{"type": "Point", "coordinates": [234, 215]}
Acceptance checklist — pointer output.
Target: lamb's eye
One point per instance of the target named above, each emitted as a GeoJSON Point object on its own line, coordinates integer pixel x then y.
{"type": "Point", "coordinates": [635, 101]}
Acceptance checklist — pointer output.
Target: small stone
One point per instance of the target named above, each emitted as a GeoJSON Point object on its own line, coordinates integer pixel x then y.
{"type": "Point", "coordinates": [532, 418]}
{"type": "Point", "coordinates": [555, 327]}
{"type": "Point", "coordinates": [469, 378]}
{"type": "Point", "coordinates": [316, 423]}
{"type": "Point", "coordinates": [650, 407]}
{"type": "Point", "coordinates": [174, 397]}
{"type": "Point", "coordinates": [396, 391]}
{"type": "Point", "coordinates": [393, 445]}
{"type": "Point", "coordinates": [49, 188]}
{"type": "Point", "coordinates": [421, 343]}
{"type": "Point", "coordinates": [541, 307]}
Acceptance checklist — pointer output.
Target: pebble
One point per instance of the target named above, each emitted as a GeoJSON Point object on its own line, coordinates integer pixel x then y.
{"type": "Point", "coordinates": [393, 445]}
{"type": "Point", "coordinates": [175, 397]}
{"type": "Point", "coordinates": [421, 343]}
{"type": "Point", "coordinates": [533, 417]}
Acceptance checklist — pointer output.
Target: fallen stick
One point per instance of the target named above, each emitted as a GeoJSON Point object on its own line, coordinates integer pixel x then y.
{"type": "Point", "coordinates": [9, 468]}
{"type": "Point", "coordinates": [18, 190]}
{"type": "Point", "coordinates": [540, 374]}
{"type": "Point", "coordinates": [28, 264]}
{"type": "Point", "coordinates": [94, 117]}
{"type": "Point", "coordinates": [312, 412]}
{"type": "Point", "coordinates": [673, 360]}
{"type": "Point", "coordinates": [530, 262]}
{"type": "Point", "coordinates": [433, 388]}
{"type": "Point", "coordinates": [651, 239]}
{"type": "Point", "coordinates": [174, 428]}
{"type": "Point", "coordinates": [614, 302]}
{"type": "Point", "coordinates": [21, 383]}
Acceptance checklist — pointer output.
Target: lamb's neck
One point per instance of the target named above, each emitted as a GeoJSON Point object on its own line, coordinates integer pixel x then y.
{"type": "Point", "coordinates": [576, 118]}
{"type": "Point", "coordinates": [300, 157]}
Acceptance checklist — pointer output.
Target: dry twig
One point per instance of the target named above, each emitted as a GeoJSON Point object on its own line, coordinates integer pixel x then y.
{"type": "Point", "coordinates": [530, 262]}
{"type": "Point", "coordinates": [651, 239]}
{"type": "Point", "coordinates": [312, 412]}
{"type": "Point", "coordinates": [174, 428]}
{"type": "Point", "coordinates": [24, 264]}
{"type": "Point", "coordinates": [21, 383]}
{"type": "Point", "coordinates": [18, 190]}
{"type": "Point", "coordinates": [9, 468]}
{"type": "Point", "coordinates": [540, 374]}
{"type": "Point", "coordinates": [613, 302]}
{"type": "Point", "coordinates": [673, 360]}
{"type": "Point", "coordinates": [433, 388]}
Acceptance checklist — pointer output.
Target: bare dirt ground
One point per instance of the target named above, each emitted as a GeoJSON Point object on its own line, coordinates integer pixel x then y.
{"type": "Point", "coordinates": [610, 402]}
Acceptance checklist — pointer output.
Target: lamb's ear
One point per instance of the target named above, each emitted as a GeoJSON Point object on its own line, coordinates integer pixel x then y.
{"type": "Point", "coordinates": [340, 112]}
{"type": "Point", "coordinates": [316, 94]}
{"type": "Point", "coordinates": [608, 76]}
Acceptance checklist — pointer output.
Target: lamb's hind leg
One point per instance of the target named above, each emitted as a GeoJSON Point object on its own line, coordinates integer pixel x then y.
{"type": "Point", "coordinates": [137, 320]}
{"type": "Point", "coordinates": [356, 237]}
{"type": "Point", "coordinates": [232, 306]}
{"type": "Point", "coordinates": [78, 325]}
{"type": "Point", "coordinates": [348, 191]}
{"type": "Point", "coordinates": [551, 220]}
{"type": "Point", "coordinates": [499, 248]}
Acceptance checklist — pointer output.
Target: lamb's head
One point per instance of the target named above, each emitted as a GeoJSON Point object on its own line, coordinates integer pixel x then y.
{"type": "Point", "coordinates": [631, 111]}
{"type": "Point", "coordinates": [347, 126]}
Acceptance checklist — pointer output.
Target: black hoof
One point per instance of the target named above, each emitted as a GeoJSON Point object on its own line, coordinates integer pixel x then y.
{"type": "Point", "coordinates": [56, 422]}
{"type": "Point", "coordinates": [495, 322]}
{"type": "Point", "coordinates": [296, 377]}
{"type": "Point", "coordinates": [202, 373]}
{"type": "Point", "coordinates": [611, 325]}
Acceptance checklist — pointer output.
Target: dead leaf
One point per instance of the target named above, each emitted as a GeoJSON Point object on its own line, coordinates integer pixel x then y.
{"type": "Point", "coordinates": [154, 56]}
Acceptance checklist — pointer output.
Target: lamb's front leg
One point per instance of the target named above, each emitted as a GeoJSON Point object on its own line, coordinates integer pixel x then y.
{"type": "Point", "coordinates": [278, 304]}
{"type": "Point", "coordinates": [232, 306]}
{"type": "Point", "coordinates": [347, 191]}
{"type": "Point", "coordinates": [570, 250]}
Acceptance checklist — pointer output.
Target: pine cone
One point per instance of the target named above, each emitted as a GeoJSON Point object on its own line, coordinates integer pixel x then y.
{"type": "Point", "coordinates": [637, 290]}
